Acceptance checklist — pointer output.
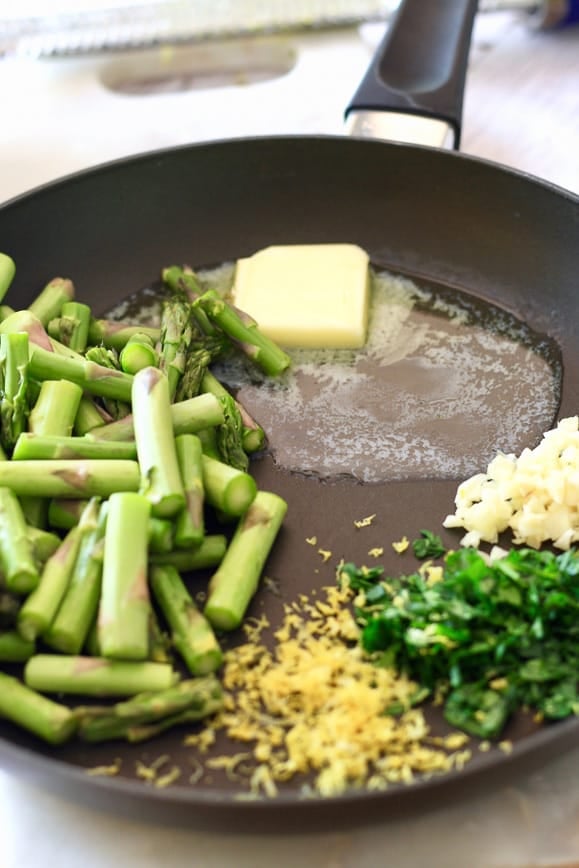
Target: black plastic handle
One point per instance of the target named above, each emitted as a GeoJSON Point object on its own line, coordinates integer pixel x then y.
{"type": "Point", "coordinates": [420, 66]}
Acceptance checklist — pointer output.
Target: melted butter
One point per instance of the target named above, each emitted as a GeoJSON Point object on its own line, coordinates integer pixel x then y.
{"type": "Point", "coordinates": [443, 383]}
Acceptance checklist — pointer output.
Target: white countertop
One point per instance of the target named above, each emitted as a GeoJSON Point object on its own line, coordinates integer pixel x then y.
{"type": "Point", "coordinates": [521, 109]}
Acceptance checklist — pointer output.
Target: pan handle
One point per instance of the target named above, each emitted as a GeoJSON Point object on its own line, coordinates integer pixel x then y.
{"type": "Point", "coordinates": [414, 87]}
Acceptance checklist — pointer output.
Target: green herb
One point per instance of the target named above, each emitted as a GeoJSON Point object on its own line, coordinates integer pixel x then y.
{"type": "Point", "coordinates": [428, 545]}
{"type": "Point", "coordinates": [488, 637]}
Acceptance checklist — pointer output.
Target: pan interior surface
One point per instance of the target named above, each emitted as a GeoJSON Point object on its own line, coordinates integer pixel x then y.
{"type": "Point", "coordinates": [465, 231]}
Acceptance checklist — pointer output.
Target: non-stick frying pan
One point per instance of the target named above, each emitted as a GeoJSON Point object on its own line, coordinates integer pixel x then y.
{"type": "Point", "coordinates": [440, 217]}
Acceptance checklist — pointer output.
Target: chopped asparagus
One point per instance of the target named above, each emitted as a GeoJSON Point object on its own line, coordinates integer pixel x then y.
{"type": "Point", "coordinates": [160, 477]}
{"type": "Point", "coordinates": [226, 488]}
{"type": "Point", "coordinates": [51, 721]}
{"type": "Point", "coordinates": [189, 525]}
{"type": "Point", "coordinates": [96, 676]}
{"type": "Point", "coordinates": [70, 477]}
{"type": "Point", "coordinates": [233, 585]}
{"type": "Point", "coordinates": [191, 632]}
{"type": "Point", "coordinates": [48, 303]}
{"type": "Point", "coordinates": [34, 447]}
{"type": "Point", "coordinates": [16, 553]}
{"type": "Point", "coordinates": [124, 604]}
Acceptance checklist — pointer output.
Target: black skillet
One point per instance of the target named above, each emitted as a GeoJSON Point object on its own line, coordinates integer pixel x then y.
{"type": "Point", "coordinates": [451, 221]}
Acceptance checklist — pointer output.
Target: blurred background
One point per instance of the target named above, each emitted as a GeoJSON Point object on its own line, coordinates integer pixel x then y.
{"type": "Point", "coordinates": [84, 82]}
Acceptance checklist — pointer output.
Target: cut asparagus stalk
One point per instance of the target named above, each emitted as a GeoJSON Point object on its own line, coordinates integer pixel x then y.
{"type": "Point", "coordinates": [7, 272]}
{"type": "Point", "coordinates": [189, 525]}
{"type": "Point", "coordinates": [124, 605]}
{"type": "Point", "coordinates": [94, 378]}
{"type": "Point", "coordinates": [148, 714]}
{"type": "Point", "coordinates": [70, 477]}
{"type": "Point", "coordinates": [54, 413]}
{"type": "Point", "coordinates": [51, 721]}
{"type": "Point", "coordinates": [230, 433]}
{"type": "Point", "coordinates": [208, 554]}
{"type": "Point", "coordinates": [44, 543]}
{"type": "Point", "coordinates": [160, 477]}
{"type": "Point", "coordinates": [176, 335]}
{"type": "Point", "coordinates": [48, 303]}
{"type": "Point", "coordinates": [25, 321]}
{"type": "Point", "coordinates": [35, 447]}
{"type": "Point", "coordinates": [139, 352]}
{"type": "Point", "coordinates": [184, 280]}
{"type": "Point", "coordinates": [78, 610]}
{"type": "Point", "coordinates": [89, 416]}
{"type": "Point", "coordinates": [208, 439]}
{"type": "Point", "coordinates": [40, 607]}
{"type": "Point", "coordinates": [188, 417]}
{"type": "Point", "coordinates": [14, 402]}
{"type": "Point", "coordinates": [95, 676]}
{"type": "Point", "coordinates": [55, 409]}
{"type": "Point", "coordinates": [244, 332]}
{"type": "Point", "coordinates": [233, 585]}
{"type": "Point", "coordinates": [191, 632]}
{"type": "Point", "coordinates": [159, 641]}
{"type": "Point", "coordinates": [9, 607]}
{"type": "Point", "coordinates": [71, 327]}
{"type": "Point", "coordinates": [117, 334]}
{"type": "Point", "coordinates": [161, 533]}
{"type": "Point", "coordinates": [15, 649]}
{"type": "Point", "coordinates": [65, 513]}
{"type": "Point", "coordinates": [16, 553]}
{"type": "Point", "coordinates": [226, 488]}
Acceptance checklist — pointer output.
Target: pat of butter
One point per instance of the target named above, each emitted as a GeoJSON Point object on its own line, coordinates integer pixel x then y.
{"type": "Point", "coordinates": [307, 295]}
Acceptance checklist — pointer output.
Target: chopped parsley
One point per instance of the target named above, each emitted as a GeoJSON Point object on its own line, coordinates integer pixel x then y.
{"type": "Point", "coordinates": [428, 545]}
{"type": "Point", "coordinates": [488, 637]}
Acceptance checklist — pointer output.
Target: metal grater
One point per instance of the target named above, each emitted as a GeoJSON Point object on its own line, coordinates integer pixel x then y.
{"type": "Point", "coordinates": [139, 25]}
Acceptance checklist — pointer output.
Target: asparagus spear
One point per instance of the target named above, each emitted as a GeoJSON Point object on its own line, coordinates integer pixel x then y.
{"type": "Point", "coordinates": [139, 352]}
{"type": "Point", "coordinates": [55, 409]}
{"type": "Point", "coordinates": [44, 543]}
{"type": "Point", "coordinates": [196, 363]}
{"type": "Point", "coordinates": [79, 606]}
{"type": "Point", "coordinates": [189, 526]}
{"type": "Point", "coordinates": [208, 440]}
{"type": "Point", "coordinates": [7, 272]}
{"type": "Point", "coordinates": [184, 280]}
{"type": "Point", "coordinates": [159, 641]}
{"type": "Point", "coordinates": [109, 358]}
{"type": "Point", "coordinates": [93, 378]}
{"type": "Point", "coordinates": [14, 403]}
{"type": "Point", "coordinates": [244, 332]}
{"type": "Point", "coordinates": [48, 303]}
{"type": "Point", "coordinates": [15, 649]}
{"type": "Point", "coordinates": [233, 585]}
{"type": "Point", "coordinates": [188, 417]}
{"type": "Point", "coordinates": [176, 335]}
{"type": "Point", "coordinates": [16, 554]}
{"type": "Point", "coordinates": [116, 335]}
{"type": "Point", "coordinates": [40, 607]}
{"type": "Point", "coordinates": [65, 513]}
{"type": "Point", "coordinates": [71, 327]}
{"type": "Point", "coordinates": [9, 607]}
{"type": "Point", "coordinates": [34, 447]}
{"type": "Point", "coordinates": [51, 721]}
{"type": "Point", "coordinates": [25, 321]}
{"type": "Point", "coordinates": [95, 676]}
{"type": "Point", "coordinates": [160, 477]}
{"type": "Point", "coordinates": [229, 490]}
{"type": "Point", "coordinates": [147, 714]}
{"type": "Point", "coordinates": [124, 604]}
{"type": "Point", "coordinates": [53, 413]}
{"type": "Point", "coordinates": [191, 632]}
{"type": "Point", "coordinates": [230, 433]}
{"type": "Point", "coordinates": [208, 554]}
{"type": "Point", "coordinates": [70, 477]}
{"type": "Point", "coordinates": [90, 415]}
